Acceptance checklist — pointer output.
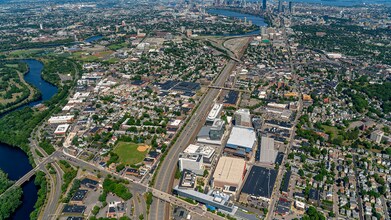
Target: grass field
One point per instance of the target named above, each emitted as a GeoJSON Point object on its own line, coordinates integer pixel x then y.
{"type": "Point", "coordinates": [128, 153]}
{"type": "Point", "coordinates": [329, 129]}
{"type": "Point", "coordinates": [25, 53]}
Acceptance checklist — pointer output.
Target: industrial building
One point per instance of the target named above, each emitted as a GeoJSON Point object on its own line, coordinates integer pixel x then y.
{"type": "Point", "coordinates": [241, 141]}
{"type": "Point", "coordinates": [259, 184]}
{"type": "Point", "coordinates": [229, 173]}
{"type": "Point", "coordinates": [268, 152]}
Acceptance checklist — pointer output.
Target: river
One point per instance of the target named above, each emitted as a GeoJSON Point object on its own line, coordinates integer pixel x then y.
{"type": "Point", "coordinates": [13, 160]}
{"type": "Point", "coordinates": [256, 20]}
{"type": "Point", "coordinates": [93, 39]}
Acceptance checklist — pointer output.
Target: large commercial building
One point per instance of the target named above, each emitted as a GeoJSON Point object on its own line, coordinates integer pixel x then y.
{"type": "Point", "coordinates": [61, 119]}
{"type": "Point", "coordinates": [268, 152]}
{"type": "Point", "coordinates": [61, 129]}
{"type": "Point", "coordinates": [241, 141]}
{"type": "Point", "coordinates": [259, 184]}
{"type": "Point", "coordinates": [214, 199]}
{"type": "Point", "coordinates": [229, 173]}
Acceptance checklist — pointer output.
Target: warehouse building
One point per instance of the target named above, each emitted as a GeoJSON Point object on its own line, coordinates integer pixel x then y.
{"type": "Point", "coordinates": [229, 174]}
{"type": "Point", "coordinates": [268, 152]}
{"type": "Point", "coordinates": [241, 142]}
{"type": "Point", "coordinates": [259, 184]}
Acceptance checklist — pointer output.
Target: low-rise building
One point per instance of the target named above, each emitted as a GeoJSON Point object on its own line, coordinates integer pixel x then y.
{"type": "Point", "coordinates": [268, 153]}
{"type": "Point", "coordinates": [229, 172]}
{"type": "Point", "coordinates": [259, 184]}
{"type": "Point", "coordinates": [241, 141]}
{"type": "Point", "coordinates": [377, 136]}
{"type": "Point", "coordinates": [61, 119]}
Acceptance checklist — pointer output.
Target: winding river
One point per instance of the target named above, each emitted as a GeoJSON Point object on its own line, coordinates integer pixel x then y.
{"type": "Point", "coordinates": [256, 20]}
{"type": "Point", "coordinates": [13, 160]}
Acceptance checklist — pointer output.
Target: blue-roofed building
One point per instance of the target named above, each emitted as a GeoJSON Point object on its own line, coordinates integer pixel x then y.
{"type": "Point", "coordinates": [259, 184]}
{"type": "Point", "coordinates": [231, 99]}
{"type": "Point", "coordinates": [184, 88]}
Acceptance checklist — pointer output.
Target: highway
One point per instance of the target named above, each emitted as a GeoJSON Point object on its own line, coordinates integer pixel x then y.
{"type": "Point", "coordinates": [55, 182]}
{"type": "Point", "coordinates": [55, 192]}
{"type": "Point", "coordinates": [159, 209]}
{"type": "Point", "coordinates": [165, 176]}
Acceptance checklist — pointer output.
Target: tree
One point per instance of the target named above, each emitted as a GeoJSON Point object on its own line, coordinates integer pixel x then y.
{"type": "Point", "coordinates": [206, 173]}
{"type": "Point", "coordinates": [95, 210]}
{"type": "Point", "coordinates": [149, 198]}
{"type": "Point", "coordinates": [301, 172]}
{"type": "Point", "coordinates": [313, 214]}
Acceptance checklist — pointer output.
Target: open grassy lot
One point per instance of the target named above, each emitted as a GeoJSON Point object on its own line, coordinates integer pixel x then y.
{"type": "Point", "coordinates": [130, 153]}
{"type": "Point", "coordinates": [329, 129]}
{"type": "Point", "coordinates": [25, 53]}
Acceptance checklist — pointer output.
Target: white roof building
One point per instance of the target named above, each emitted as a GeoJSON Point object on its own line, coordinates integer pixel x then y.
{"type": "Point", "coordinates": [214, 113]}
{"type": "Point", "coordinates": [61, 129]}
{"type": "Point", "coordinates": [268, 153]}
{"type": "Point", "coordinates": [242, 137]}
{"type": "Point", "coordinates": [61, 119]}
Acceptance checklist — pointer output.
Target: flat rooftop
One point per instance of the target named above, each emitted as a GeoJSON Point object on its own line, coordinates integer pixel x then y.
{"type": "Point", "coordinates": [242, 137]}
{"type": "Point", "coordinates": [260, 182]}
{"type": "Point", "coordinates": [268, 153]}
{"type": "Point", "coordinates": [229, 170]}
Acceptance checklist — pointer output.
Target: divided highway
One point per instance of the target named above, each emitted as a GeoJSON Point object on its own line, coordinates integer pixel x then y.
{"type": "Point", "coordinates": [164, 179]}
